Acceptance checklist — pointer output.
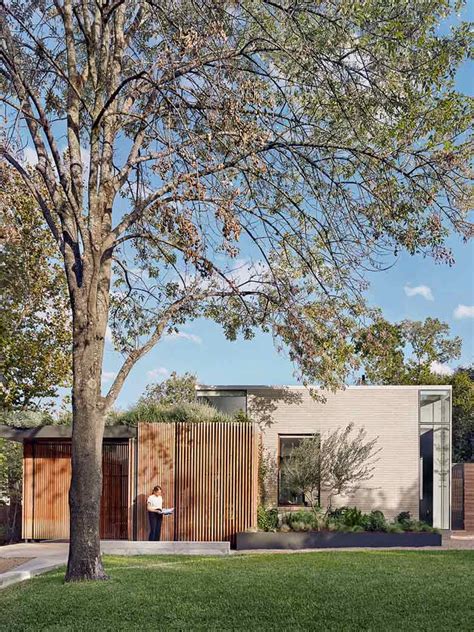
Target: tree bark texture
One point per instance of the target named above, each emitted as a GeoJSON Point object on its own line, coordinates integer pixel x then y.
{"type": "Point", "coordinates": [85, 561]}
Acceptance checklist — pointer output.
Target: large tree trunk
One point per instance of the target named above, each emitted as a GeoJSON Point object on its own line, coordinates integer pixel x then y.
{"type": "Point", "coordinates": [84, 561]}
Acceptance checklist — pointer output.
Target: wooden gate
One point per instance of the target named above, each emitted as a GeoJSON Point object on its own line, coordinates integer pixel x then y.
{"type": "Point", "coordinates": [46, 481]}
{"type": "Point", "coordinates": [209, 474]}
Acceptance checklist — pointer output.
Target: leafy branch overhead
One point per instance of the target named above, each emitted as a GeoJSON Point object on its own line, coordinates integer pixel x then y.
{"type": "Point", "coordinates": [245, 161]}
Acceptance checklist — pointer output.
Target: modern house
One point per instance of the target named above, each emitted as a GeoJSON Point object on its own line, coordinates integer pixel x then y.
{"type": "Point", "coordinates": [209, 472]}
{"type": "Point", "coordinates": [412, 423]}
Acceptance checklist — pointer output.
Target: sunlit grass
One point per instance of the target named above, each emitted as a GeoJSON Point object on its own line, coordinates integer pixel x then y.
{"type": "Point", "coordinates": [395, 590]}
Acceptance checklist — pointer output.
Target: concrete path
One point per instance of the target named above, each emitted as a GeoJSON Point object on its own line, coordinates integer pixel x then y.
{"type": "Point", "coordinates": [45, 556]}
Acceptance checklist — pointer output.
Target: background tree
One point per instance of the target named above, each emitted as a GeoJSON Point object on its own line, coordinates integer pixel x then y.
{"type": "Point", "coordinates": [176, 389]}
{"type": "Point", "coordinates": [413, 352]}
{"type": "Point", "coordinates": [35, 328]}
{"type": "Point", "coordinates": [173, 137]}
{"type": "Point", "coordinates": [335, 464]}
{"type": "Point", "coordinates": [301, 471]}
{"type": "Point", "coordinates": [463, 415]}
{"type": "Point", "coordinates": [35, 322]}
{"type": "Point", "coordinates": [408, 352]}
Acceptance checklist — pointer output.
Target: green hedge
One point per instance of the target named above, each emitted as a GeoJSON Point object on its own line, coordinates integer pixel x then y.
{"type": "Point", "coordinates": [159, 413]}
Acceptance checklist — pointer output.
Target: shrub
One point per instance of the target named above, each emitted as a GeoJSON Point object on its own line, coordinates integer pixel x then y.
{"type": "Point", "coordinates": [331, 525]}
{"type": "Point", "coordinates": [375, 521]}
{"type": "Point", "coordinates": [351, 519]}
{"type": "Point", "coordinates": [419, 525]}
{"type": "Point", "coordinates": [146, 412]}
{"type": "Point", "coordinates": [403, 517]}
{"type": "Point", "coordinates": [406, 522]}
{"type": "Point", "coordinates": [300, 526]}
{"type": "Point", "coordinates": [267, 519]}
{"type": "Point", "coordinates": [425, 527]}
{"type": "Point", "coordinates": [347, 516]}
{"type": "Point", "coordinates": [395, 527]}
{"type": "Point", "coordinates": [301, 516]}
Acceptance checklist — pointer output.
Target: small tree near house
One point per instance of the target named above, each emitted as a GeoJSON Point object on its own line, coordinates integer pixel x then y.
{"type": "Point", "coordinates": [335, 464]}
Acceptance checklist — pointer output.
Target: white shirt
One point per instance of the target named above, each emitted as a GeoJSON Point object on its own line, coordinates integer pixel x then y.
{"type": "Point", "coordinates": [154, 502]}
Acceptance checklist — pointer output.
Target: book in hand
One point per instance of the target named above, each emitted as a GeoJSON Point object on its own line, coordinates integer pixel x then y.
{"type": "Point", "coordinates": [167, 512]}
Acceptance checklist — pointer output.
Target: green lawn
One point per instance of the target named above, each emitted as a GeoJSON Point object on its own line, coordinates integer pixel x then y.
{"type": "Point", "coordinates": [396, 590]}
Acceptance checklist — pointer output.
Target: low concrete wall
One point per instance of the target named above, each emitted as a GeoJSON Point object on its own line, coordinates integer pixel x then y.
{"type": "Point", "coordinates": [124, 547]}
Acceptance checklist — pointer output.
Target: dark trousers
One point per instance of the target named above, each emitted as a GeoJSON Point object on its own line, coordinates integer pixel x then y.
{"type": "Point", "coordinates": [155, 526]}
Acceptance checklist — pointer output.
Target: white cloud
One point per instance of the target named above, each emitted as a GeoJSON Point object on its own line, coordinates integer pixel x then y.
{"type": "Point", "coordinates": [30, 157]}
{"type": "Point", "coordinates": [108, 376]}
{"type": "Point", "coordinates": [464, 311]}
{"type": "Point", "coordinates": [419, 290]}
{"type": "Point", "coordinates": [441, 369]}
{"type": "Point", "coordinates": [248, 275]}
{"type": "Point", "coordinates": [155, 373]}
{"type": "Point", "coordinates": [184, 336]}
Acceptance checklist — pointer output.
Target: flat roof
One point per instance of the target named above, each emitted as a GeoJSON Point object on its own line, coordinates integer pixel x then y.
{"type": "Point", "coordinates": [60, 432]}
{"type": "Point", "coordinates": [249, 387]}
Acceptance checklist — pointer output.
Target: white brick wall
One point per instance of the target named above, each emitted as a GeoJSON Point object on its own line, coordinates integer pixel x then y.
{"type": "Point", "coordinates": [389, 413]}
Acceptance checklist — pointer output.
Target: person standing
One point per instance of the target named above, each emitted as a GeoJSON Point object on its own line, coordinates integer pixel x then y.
{"type": "Point", "coordinates": [154, 507]}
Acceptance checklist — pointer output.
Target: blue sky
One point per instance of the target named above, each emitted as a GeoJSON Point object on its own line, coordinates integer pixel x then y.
{"type": "Point", "coordinates": [203, 349]}
{"type": "Point", "coordinates": [414, 288]}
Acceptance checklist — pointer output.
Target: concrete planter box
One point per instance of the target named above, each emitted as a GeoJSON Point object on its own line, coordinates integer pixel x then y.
{"type": "Point", "coordinates": [333, 540]}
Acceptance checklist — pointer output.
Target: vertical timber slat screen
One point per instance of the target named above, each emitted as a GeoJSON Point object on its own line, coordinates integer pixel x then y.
{"type": "Point", "coordinates": [28, 506]}
{"type": "Point", "coordinates": [457, 501]}
{"type": "Point", "coordinates": [46, 481]}
{"type": "Point", "coordinates": [52, 477]}
{"type": "Point", "coordinates": [155, 466]}
{"type": "Point", "coordinates": [468, 496]}
{"type": "Point", "coordinates": [208, 472]}
{"type": "Point", "coordinates": [115, 492]}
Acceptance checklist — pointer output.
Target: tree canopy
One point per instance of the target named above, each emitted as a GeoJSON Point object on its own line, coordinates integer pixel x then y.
{"type": "Point", "coordinates": [243, 161]}
{"type": "Point", "coordinates": [407, 352]}
{"type": "Point", "coordinates": [417, 352]}
{"type": "Point", "coordinates": [175, 389]}
{"type": "Point", "coordinates": [35, 322]}
{"type": "Point", "coordinates": [336, 463]}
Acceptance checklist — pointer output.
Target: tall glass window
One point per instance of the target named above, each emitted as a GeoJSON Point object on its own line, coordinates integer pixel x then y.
{"type": "Point", "coordinates": [435, 461]}
{"type": "Point", "coordinates": [286, 445]}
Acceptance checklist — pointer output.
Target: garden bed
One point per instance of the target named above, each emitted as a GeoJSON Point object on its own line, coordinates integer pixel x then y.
{"type": "Point", "coordinates": [334, 539]}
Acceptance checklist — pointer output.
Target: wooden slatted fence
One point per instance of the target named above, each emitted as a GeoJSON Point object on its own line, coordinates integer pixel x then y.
{"type": "Point", "coordinates": [155, 466]}
{"type": "Point", "coordinates": [208, 472]}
